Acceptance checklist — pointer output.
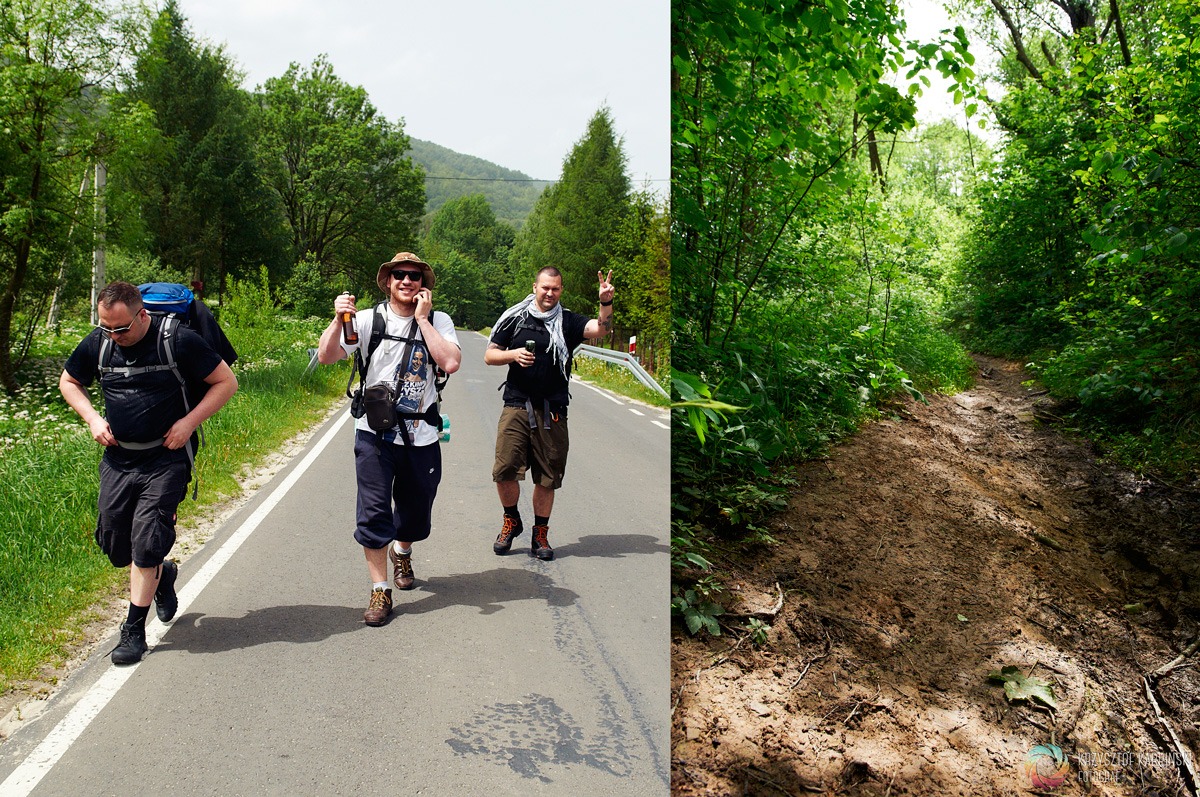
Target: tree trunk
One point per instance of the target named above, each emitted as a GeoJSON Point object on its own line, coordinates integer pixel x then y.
{"type": "Point", "coordinates": [1018, 43]}
{"type": "Point", "coordinates": [99, 280]}
{"type": "Point", "coordinates": [60, 282]}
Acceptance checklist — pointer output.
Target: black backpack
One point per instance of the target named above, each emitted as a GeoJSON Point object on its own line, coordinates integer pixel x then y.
{"type": "Point", "coordinates": [174, 305]}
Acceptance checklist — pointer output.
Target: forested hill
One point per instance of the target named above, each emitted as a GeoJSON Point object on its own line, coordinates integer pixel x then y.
{"type": "Point", "coordinates": [450, 174]}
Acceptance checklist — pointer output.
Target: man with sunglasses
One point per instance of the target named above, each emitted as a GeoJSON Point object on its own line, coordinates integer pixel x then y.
{"type": "Point", "coordinates": [146, 432]}
{"type": "Point", "coordinates": [536, 339]}
{"type": "Point", "coordinates": [398, 469]}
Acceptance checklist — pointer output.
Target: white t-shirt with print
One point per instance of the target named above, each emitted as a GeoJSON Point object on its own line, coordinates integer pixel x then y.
{"type": "Point", "coordinates": [386, 360]}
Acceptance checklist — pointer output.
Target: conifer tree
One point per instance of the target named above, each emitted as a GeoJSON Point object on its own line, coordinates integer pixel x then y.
{"type": "Point", "coordinates": [574, 223]}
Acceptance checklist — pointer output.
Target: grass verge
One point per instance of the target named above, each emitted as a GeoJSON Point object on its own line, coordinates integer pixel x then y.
{"type": "Point", "coordinates": [618, 379]}
{"type": "Point", "coordinates": [51, 572]}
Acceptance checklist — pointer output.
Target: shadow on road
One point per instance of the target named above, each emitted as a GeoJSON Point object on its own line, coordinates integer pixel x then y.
{"type": "Point", "coordinates": [200, 633]}
{"type": "Point", "coordinates": [487, 591]}
{"type": "Point", "coordinates": [612, 546]}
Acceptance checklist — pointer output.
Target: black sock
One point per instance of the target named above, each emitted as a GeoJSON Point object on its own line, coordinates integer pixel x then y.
{"type": "Point", "coordinates": [137, 614]}
{"type": "Point", "coordinates": [541, 520]}
{"type": "Point", "coordinates": [513, 512]}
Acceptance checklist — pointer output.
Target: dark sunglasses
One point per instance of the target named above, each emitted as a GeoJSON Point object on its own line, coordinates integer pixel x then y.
{"type": "Point", "coordinates": [404, 274]}
{"type": "Point", "coordinates": [118, 330]}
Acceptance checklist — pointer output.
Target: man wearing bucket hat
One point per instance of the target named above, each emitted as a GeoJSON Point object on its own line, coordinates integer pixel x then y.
{"type": "Point", "coordinates": [535, 338]}
{"type": "Point", "coordinates": [397, 458]}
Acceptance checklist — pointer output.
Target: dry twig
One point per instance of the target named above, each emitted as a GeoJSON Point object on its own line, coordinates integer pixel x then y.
{"type": "Point", "coordinates": [1185, 760]}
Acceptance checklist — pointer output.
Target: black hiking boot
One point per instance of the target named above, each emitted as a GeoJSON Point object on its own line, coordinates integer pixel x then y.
{"type": "Point", "coordinates": [539, 546]}
{"type": "Point", "coordinates": [166, 602]}
{"type": "Point", "coordinates": [508, 532]}
{"type": "Point", "coordinates": [132, 646]}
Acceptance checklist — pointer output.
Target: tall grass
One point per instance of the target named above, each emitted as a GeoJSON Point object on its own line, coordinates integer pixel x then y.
{"type": "Point", "coordinates": [51, 572]}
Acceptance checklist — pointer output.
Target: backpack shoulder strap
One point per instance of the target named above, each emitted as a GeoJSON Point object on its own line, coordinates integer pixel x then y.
{"type": "Point", "coordinates": [167, 329]}
{"type": "Point", "coordinates": [105, 353]}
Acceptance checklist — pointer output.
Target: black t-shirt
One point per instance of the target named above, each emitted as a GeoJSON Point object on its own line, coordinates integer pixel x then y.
{"type": "Point", "coordinates": [142, 407]}
{"type": "Point", "coordinates": [543, 379]}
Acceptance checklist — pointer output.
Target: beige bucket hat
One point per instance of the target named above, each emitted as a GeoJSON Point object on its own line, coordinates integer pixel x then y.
{"type": "Point", "coordinates": [385, 269]}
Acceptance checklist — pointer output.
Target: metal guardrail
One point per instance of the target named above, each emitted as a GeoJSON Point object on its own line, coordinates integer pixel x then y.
{"type": "Point", "coordinates": [626, 359]}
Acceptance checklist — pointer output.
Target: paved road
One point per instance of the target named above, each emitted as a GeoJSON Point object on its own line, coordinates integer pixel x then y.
{"type": "Point", "coordinates": [498, 675]}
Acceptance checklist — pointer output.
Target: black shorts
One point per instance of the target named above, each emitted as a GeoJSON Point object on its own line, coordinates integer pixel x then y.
{"type": "Point", "coordinates": [396, 488]}
{"type": "Point", "coordinates": [137, 507]}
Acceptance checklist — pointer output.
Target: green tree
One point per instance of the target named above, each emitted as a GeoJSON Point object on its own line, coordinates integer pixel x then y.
{"type": "Point", "coordinates": [206, 208]}
{"type": "Point", "coordinates": [573, 223]}
{"type": "Point", "coordinates": [469, 248]}
{"type": "Point", "coordinates": [58, 63]}
{"type": "Point", "coordinates": [642, 271]}
{"type": "Point", "coordinates": [468, 224]}
{"type": "Point", "coordinates": [351, 196]}
{"type": "Point", "coordinates": [1085, 257]}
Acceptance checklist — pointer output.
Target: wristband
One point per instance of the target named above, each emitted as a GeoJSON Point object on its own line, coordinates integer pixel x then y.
{"type": "Point", "coordinates": [606, 304]}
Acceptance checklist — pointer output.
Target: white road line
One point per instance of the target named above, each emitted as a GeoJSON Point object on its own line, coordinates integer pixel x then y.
{"type": "Point", "coordinates": [662, 425]}
{"type": "Point", "coordinates": [635, 412]}
{"type": "Point", "coordinates": [604, 393]}
{"type": "Point", "coordinates": [26, 777]}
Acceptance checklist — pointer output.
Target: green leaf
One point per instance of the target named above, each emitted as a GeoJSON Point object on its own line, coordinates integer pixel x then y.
{"type": "Point", "coordinates": [1018, 686]}
{"type": "Point", "coordinates": [962, 619]}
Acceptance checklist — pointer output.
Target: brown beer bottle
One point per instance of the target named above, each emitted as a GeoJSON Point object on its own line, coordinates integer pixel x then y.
{"type": "Point", "coordinates": [349, 333]}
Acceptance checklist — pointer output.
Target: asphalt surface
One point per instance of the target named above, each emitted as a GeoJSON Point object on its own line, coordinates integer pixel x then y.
{"type": "Point", "coordinates": [497, 675]}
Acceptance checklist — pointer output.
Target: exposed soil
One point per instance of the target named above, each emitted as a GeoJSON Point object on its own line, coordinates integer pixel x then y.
{"type": "Point", "coordinates": [925, 553]}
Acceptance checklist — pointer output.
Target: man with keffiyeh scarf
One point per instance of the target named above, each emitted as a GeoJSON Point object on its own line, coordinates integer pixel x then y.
{"type": "Point", "coordinates": [535, 339]}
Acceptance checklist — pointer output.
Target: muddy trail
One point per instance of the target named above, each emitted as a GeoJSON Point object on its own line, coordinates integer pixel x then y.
{"type": "Point", "coordinates": [934, 548]}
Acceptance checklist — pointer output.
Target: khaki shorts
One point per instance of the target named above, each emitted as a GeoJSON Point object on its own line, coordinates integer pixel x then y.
{"type": "Point", "coordinates": [542, 451]}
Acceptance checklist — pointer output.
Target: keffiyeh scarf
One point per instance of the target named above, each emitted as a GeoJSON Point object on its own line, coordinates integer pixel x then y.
{"type": "Point", "coordinates": [552, 319]}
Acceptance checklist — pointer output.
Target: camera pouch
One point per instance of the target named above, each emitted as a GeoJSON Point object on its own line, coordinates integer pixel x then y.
{"type": "Point", "coordinates": [379, 405]}
{"type": "Point", "coordinates": [356, 404]}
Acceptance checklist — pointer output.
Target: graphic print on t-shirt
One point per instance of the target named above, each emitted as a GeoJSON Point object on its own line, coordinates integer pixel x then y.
{"type": "Point", "coordinates": [410, 386]}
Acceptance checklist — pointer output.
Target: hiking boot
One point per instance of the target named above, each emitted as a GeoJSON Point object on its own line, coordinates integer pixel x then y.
{"type": "Point", "coordinates": [403, 576]}
{"type": "Point", "coordinates": [166, 602]}
{"type": "Point", "coordinates": [132, 646]}
{"type": "Point", "coordinates": [380, 607]}
{"type": "Point", "coordinates": [539, 546]}
{"type": "Point", "coordinates": [508, 532]}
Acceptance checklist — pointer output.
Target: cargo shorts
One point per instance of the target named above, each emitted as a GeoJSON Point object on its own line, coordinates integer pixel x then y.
{"type": "Point", "coordinates": [541, 450]}
{"type": "Point", "coordinates": [136, 521]}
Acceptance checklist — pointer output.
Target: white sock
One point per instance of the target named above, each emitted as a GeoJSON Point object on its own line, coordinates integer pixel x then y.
{"type": "Point", "coordinates": [399, 550]}
{"type": "Point", "coordinates": [380, 585]}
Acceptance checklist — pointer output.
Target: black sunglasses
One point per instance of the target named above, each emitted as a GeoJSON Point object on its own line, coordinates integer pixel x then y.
{"type": "Point", "coordinates": [404, 274]}
{"type": "Point", "coordinates": [118, 330]}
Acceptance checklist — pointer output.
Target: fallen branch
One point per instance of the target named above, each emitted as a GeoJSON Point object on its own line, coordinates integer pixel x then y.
{"type": "Point", "coordinates": [814, 660]}
{"type": "Point", "coordinates": [1185, 760]}
{"type": "Point", "coordinates": [768, 614]}
{"type": "Point", "coordinates": [1177, 662]}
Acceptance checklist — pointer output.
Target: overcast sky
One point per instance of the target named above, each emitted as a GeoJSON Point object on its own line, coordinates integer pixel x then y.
{"type": "Point", "coordinates": [514, 83]}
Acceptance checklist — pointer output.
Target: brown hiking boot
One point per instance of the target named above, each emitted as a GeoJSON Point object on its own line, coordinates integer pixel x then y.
{"type": "Point", "coordinates": [403, 576]}
{"type": "Point", "coordinates": [539, 546]}
{"type": "Point", "coordinates": [380, 607]}
{"type": "Point", "coordinates": [508, 532]}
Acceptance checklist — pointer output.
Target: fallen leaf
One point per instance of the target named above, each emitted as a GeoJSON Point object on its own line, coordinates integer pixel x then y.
{"type": "Point", "coordinates": [1019, 686]}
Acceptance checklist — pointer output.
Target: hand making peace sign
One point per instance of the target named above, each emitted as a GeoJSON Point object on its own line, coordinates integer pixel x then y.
{"type": "Point", "coordinates": [606, 286]}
